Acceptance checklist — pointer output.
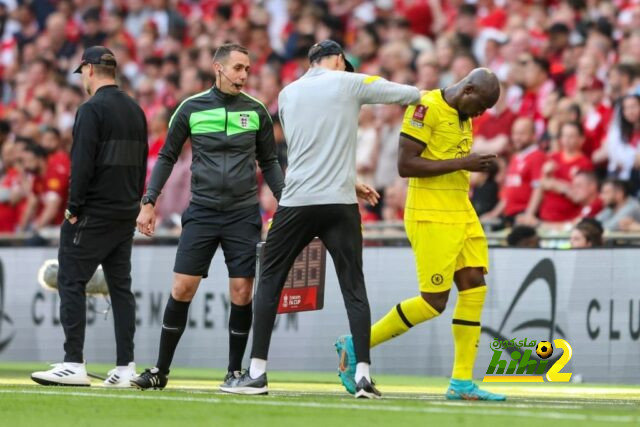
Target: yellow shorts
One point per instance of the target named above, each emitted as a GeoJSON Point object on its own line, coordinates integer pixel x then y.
{"type": "Point", "coordinates": [441, 249]}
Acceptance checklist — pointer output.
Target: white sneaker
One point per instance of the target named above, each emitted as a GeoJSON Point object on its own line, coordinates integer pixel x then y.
{"type": "Point", "coordinates": [120, 376]}
{"type": "Point", "coordinates": [63, 374]}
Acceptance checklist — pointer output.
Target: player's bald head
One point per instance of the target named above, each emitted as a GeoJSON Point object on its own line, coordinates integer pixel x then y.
{"type": "Point", "coordinates": [486, 83]}
{"type": "Point", "coordinates": [477, 92]}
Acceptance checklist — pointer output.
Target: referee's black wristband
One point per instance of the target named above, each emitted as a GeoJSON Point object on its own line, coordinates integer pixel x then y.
{"type": "Point", "coordinates": [72, 211]}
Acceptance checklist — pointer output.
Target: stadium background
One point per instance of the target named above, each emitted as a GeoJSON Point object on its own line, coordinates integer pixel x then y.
{"type": "Point", "coordinates": [558, 61]}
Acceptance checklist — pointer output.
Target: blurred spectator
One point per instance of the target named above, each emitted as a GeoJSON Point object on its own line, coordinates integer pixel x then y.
{"type": "Point", "coordinates": [586, 234]}
{"type": "Point", "coordinates": [428, 74]}
{"type": "Point", "coordinates": [558, 62]}
{"type": "Point", "coordinates": [394, 197]}
{"type": "Point", "coordinates": [157, 132]}
{"type": "Point", "coordinates": [596, 116]}
{"type": "Point", "coordinates": [550, 199]}
{"type": "Point", "coordinates": [619, 206]}
{"type": "Point", "coordinates": [57, 171]}
{"type": "Point", "coordinates": [137, 16]}
{"type": "Point", "coordinates": [491, 130]}
{"type": "Point", "coordinates": [92, 34]}
{"type": "Point", "coordinates": [522, 174]}
{"type": "Point", "coordinates": [49, 189]}
{"type": "Point", "coordinates": [5, 132]}
{"type": "Point", "coordinates": [462, 64]}
{"type": "Point", "coordinates": [367, 146]}
{"type": "Point", "coordinates": [467, 30]}
{"type": "Point", "coordinates": [175, 196]}
{"type": "Point", "coordinates": [585, 192]}
{"type": "Point", "coordinates": [485, 188]}
{"type": "Point", "coordinates": [523, 236]}
{"type": "Point", "coordinates": [624, 143]}
{"type": "Point", "coordinates": [565, 110]}
{"type": "Point", "coordinates": [13, 188]}
{"type": "Point", "coordinates": [389, 122]}
{"type": "Point", "coordinates": [538, 85]}
{"type": "Point", "coordinates": [57, 35]}
{"type": "Point", "coordinates": [621, 79]}
{"type": "Point", "coordinates": [366, 48]}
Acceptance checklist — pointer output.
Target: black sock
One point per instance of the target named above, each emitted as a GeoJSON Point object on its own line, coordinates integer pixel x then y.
{"type": "Point", "coordinates": [173, 324]}
{"type": "Point", "coordinates": [239, 326]}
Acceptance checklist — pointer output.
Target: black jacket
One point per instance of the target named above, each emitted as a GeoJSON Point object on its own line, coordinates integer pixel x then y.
{"type": "Point", "coordinates": [108, 156]}
{"type": "Point", "coordinates": [228, 134]}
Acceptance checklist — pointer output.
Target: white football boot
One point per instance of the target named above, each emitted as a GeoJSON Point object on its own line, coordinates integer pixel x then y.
{"type": "Point", "coordinates": [70, 374]}
{"type": "Point", "coordinates": [120, 376]}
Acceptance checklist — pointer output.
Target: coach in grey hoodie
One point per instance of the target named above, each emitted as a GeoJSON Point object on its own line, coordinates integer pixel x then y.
{"type": "Point", "coordinates": [319, 116]}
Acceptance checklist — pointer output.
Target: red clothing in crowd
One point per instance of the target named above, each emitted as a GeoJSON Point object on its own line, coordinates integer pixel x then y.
{"type": "Point", "coordinates": [418, 13]}
{"type": "Point", "coordinates": [496, 18]}
{"type": "Point", "coordinates": [570, 86]}
{"type": "Point", "coordinates": [595, 123]}
{"type": "Point", "coordinates": [590, 211]}
{"type": "Point", "coordinates": [556, 207]}
{"type": "Point", "coordinates": [533, 100]}
{"type": "Point", "coordinates": [489, 125]}
{"type": "Point", "coordinates": [523, 172]}
{"type": "Point", "coordinates": [154, 151]}
{"type": "Point", "coordinates": [10, 214]}
{"type": "Point", "coordinates": [56, 180]}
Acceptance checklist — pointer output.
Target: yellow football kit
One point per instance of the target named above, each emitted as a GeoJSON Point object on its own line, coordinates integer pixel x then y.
{"type": "Point", "coordinates": [440, 221]}
{"type": "Point", "coordinates": [444, 232]}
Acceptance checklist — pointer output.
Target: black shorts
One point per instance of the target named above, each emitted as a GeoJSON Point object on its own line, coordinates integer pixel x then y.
{"type": "Point", "coordinates": [203, 229]}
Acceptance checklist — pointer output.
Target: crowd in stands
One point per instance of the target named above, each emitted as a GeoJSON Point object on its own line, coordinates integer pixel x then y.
{"type": "Point", "coordinates": [566, 127]}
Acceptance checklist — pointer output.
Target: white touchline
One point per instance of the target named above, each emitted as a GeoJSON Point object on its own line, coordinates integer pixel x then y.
{"type": "Point", "coordinates": [347, 406]}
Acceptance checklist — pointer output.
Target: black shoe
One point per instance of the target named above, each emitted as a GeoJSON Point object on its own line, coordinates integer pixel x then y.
{"type": "Point", "coordinates": [367, 390]}
{"type": "Point", "coordinates": [246, 385]}
{"type": "Point", "coordinates": [229, 378]}
{"type": "Point", "coordinates": [150, 378]}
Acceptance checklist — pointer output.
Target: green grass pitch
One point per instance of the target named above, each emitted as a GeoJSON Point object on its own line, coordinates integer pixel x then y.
{"type": "Point", "coordinates": [306, 399]}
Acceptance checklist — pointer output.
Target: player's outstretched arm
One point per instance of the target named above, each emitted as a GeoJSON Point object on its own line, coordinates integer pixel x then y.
{"type": "Point", "coordinates": [412, 164]}
{"type": "Point", "coordinates": [376, 90]}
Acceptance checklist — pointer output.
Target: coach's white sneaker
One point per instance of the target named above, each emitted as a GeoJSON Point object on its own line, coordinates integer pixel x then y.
{"type": "Point", "coordinates": [121, 376]}
{"type": "Point", "coordinates": [72, 374]}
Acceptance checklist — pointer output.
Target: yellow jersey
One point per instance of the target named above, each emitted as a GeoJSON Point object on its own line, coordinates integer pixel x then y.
{"type": "Point", "coordinates": [443, 198]}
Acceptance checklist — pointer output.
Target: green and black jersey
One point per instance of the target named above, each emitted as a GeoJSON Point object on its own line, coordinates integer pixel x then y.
{"type": "Point", "coordinates": [228, 134]}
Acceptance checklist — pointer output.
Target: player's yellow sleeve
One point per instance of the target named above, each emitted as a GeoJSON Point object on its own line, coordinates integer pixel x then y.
{"type": "Point", "coordinates": [417, 123]}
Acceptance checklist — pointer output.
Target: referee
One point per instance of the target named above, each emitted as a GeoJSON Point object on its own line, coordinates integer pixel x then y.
{"type": "Point", "coordinates": [108, 169]}
{"type": "Point", "coordinates": [319, 114]}
{"type": "Point", "coordinates": [229, 131]}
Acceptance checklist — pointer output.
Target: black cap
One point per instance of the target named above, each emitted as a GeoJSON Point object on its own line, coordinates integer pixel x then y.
{"type": "Point", "coordinates": [96, 55]}
{"type": "Point", "coordinates": [328, 48]}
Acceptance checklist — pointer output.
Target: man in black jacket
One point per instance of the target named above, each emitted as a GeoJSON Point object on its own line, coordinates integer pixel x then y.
{"type": "Point", "coordinates": [229, 131]}
{"type": "Point", "coordinates": [108, 169]}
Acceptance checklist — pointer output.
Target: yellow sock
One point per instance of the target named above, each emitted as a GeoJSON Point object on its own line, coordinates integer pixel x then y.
{"type": "Point", "coordinates": [403, 316]}
{"type": "Point", "coordinates": [465, 327]}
